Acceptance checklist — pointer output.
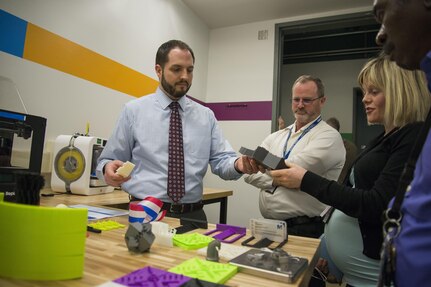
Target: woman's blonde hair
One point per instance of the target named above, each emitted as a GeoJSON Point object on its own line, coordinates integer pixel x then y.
{"type": "Point", "coordinates": [407, 98]}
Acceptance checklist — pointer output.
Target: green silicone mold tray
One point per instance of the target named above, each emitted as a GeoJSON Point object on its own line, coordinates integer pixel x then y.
{"type": "Point", "coordinates": [205, 270]}
{"type": "Point", "coordinates": [191, 241]}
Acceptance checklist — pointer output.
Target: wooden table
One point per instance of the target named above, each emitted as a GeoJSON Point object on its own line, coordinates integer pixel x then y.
{"type": "Point", "coordinates": [120, 199]}
{"type": "Point", "coordinates": [107, 257]}
{"type": "Point", "coordinates": [212, 195]}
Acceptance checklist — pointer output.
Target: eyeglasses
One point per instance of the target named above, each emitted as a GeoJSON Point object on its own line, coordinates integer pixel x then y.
{"type": "Point", "coordinates": [305, 101]}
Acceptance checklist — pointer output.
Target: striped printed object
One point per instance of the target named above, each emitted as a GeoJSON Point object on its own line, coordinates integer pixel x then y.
{"type": "Point", "coordinates": [146, 210]}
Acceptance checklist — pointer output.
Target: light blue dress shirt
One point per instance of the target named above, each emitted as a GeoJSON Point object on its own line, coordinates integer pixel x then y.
{"type": "Point", "coordinates": [141, 137]}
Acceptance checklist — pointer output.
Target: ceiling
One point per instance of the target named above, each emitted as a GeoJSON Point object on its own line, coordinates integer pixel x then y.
{"type": "Point", "coordinates": [225, 13]}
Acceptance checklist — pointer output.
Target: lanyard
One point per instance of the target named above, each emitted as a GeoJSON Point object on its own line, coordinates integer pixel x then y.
{"type": "Point", "coordinates": [286, 152]}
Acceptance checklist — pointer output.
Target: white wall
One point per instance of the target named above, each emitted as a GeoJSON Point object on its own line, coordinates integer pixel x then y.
{"type": "Point", "coordinates": [241, 69]}
{"type": "Point", "coordinates": [231, 65]}
{"type": "Point", "coordinates": [128, 32]}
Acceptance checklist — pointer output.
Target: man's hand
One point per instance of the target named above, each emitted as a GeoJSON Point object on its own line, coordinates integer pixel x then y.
{"type": "Point", "coordinates": [247, 165]}
{"type": "Point", "coordinates": [111, 177]}
{"type": "Point", "coordinates": [290, 177]}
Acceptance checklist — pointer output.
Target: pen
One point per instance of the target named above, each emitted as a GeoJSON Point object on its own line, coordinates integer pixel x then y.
{"type": "Point", "coordinates": [92, 229]}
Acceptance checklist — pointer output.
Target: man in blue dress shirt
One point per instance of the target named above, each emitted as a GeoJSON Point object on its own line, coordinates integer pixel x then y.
{"type": "Point", "coordinates": [406, 36]}
{"type": "Point", "coordinates": [141, 136]}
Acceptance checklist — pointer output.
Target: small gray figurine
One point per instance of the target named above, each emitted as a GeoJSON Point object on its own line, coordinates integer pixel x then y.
{"type": "Point", "coordinates": [139, 237]}
{"type": "Point", "coordinates": [212, 250]}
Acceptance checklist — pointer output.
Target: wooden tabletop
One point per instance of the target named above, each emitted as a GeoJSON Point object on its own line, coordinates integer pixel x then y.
{"type": "Point", "coordinates": [107, 257]}
{"type": "Point", "coordinates": [115, 197]}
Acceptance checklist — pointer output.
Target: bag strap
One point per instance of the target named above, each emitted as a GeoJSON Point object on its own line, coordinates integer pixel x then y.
{"type": "Point", "coordinates": [392, 224]}
{"type": "Point", "coordinates": [409, 169]}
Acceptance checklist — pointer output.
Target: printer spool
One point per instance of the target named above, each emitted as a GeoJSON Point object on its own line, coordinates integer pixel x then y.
{"type": "Point", "coordinates": [69, 164]}
{"type": "Point", "coordinates": [74, 165]}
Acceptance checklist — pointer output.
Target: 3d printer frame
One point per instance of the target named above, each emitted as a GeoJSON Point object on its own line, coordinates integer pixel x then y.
{"type": "Point", "coordinates": [25, 126]}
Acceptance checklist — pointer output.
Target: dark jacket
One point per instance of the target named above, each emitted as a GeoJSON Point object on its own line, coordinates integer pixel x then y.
{"type": "Point", "coordinates": [376, 171]}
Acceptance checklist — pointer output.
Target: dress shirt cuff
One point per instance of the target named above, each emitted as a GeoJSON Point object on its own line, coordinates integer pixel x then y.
{"type": "Point", "coordinates": [100, 170]}
{"type": "Point", "coordinates": [238, 171]}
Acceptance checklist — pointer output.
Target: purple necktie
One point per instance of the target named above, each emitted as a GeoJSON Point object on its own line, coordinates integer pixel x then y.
{"type": "Point", "coordinates": [176, 156]}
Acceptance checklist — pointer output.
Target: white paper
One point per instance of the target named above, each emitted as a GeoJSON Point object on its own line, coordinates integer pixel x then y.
{"type": "Point", "coordinates": [95, 213]}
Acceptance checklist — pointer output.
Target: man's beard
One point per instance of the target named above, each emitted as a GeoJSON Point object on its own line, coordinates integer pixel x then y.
{"type": "Point", "coordinates": [300, 112]}
{"type": "Point", "coordinates": [171, 89]}
{"type": "Point", "coordinates": [301, 115]}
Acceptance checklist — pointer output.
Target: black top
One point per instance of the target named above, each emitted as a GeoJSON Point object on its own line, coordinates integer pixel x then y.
{"type": "Point", "coordinates": [376, 171]}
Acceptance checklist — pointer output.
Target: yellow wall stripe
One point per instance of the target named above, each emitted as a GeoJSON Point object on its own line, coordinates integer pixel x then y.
{"type": "Point", "coordinates": [49, 49]}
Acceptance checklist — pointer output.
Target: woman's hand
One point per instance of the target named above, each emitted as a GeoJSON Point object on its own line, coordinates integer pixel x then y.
{"type": "Point", "coordinates": [290, 177]}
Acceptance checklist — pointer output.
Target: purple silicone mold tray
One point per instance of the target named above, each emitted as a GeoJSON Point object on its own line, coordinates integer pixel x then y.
{"type": "Point", "coordinates": [152, 277]}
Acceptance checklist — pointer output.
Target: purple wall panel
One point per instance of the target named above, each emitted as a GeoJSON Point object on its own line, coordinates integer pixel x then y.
{"type": "Point", "coordinates": [240, 111]}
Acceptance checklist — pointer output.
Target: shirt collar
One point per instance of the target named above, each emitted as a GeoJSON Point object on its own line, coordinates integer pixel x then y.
{"type": "Point", "coordinates": [426, 67]}
{"type": "Point", "coordinates": [165, 101]}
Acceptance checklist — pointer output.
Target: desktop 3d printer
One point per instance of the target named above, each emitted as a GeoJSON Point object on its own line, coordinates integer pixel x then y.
{"type": "Point", "coordinates": [74, 165]}
{"type": "Point", "coordinates": [22, 138]}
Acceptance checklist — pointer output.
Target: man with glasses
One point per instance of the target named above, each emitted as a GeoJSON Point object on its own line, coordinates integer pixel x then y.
{"type": "Point", "coordinates": [311, 143]}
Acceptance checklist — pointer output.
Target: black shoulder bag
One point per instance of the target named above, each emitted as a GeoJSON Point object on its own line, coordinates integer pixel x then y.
{"type": "Point", "coordinates": [393, 215]}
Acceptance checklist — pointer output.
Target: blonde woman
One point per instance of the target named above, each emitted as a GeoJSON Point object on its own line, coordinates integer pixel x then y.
{"type": "Point", "coordinates": [399, 100]}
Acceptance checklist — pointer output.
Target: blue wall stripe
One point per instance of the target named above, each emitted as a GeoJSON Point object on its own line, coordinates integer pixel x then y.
{"type": "Point", "coordinates": [12, 34]}
{"type": "Point", "coordinates": [13, 116]}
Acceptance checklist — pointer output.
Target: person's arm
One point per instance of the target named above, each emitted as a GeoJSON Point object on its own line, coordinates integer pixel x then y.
{"type": "Point", "coordinates": [110, 175]}
{"type": "Point", "coordinates": [117, 150]}
{"type": "Point", "coordinates": [359, 203]}
{"type": "Point", "coordinates": [263, 180]}
{"type": "Point", "coordinates": [222, 157]}
{"type": "Point", "coordinates": [324, 151]}
{"type": "Point", "coordinates": [260, 180]}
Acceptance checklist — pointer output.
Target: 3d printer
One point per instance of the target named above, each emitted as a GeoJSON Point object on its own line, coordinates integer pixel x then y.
{"type": "Point", "coordinates": [74, 165]}
{"type": "Point", "coordinates": [22, 138]}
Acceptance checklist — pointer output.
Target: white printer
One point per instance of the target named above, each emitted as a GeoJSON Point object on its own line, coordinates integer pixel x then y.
{"type": "Point", "coordinates": [74, 165]}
